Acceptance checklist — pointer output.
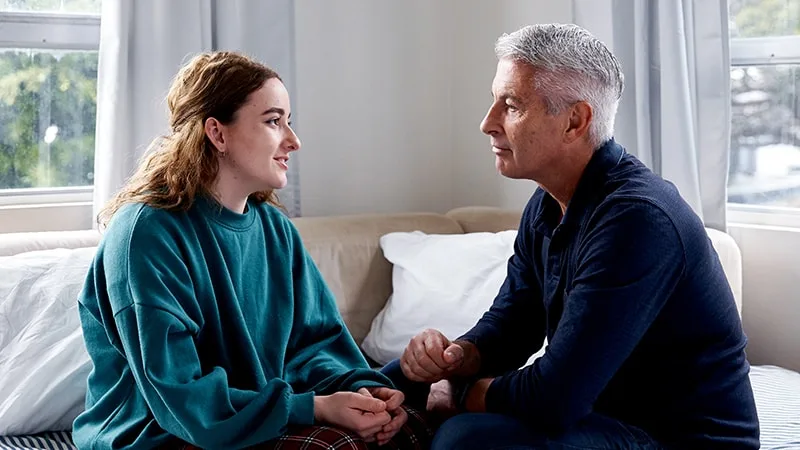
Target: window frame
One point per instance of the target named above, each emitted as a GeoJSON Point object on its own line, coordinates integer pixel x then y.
{"type": "Point", "coordinates": [48, 31]}
{"type": "Point", "coordinates": [764, 51]}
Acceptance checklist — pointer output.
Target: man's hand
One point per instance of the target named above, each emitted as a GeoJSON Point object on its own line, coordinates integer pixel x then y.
{"type": "Point", "coordinates": [393, 399]}
{"type": "Point", "coordinates": [352, 411]}
{"type": "Point", "coordinates": [441, 403]}
{"type": "Point", "coordinates": [430, 357]}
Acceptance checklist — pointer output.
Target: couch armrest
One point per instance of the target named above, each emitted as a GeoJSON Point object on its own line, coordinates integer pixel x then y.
{"type": "Point", "coordinates": [731, 258]}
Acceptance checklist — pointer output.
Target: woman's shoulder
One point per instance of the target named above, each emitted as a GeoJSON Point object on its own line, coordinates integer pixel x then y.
{"type": "Point", "coordinates": [139, 223]}
{"type": "Point", "coordinates": [143, 216]}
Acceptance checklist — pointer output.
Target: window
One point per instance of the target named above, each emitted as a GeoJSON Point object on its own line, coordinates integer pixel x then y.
{"type": "Point", "coordinates": [765, 82]}
{"type": "Point", "coordinates": [48, 99]}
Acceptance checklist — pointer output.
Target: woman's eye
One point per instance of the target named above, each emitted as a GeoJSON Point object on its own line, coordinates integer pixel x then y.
{"type": "Point", "coordinates": [275, 122]}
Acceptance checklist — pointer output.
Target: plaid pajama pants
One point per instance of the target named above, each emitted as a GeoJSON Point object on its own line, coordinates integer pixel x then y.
{"type": "Point", "coordinates": [416, 434]}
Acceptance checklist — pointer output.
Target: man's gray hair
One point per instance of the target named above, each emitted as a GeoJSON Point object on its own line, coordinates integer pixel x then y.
{"type": "Point", "coordinates": [572, 65]}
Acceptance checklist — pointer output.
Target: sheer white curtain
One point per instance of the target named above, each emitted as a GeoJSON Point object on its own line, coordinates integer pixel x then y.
{"type": "Point", "coordinates": [142, 45]}
{"type": "Point", "coordinates": [675, 112]}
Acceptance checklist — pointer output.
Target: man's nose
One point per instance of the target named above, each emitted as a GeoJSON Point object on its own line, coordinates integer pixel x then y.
{"type": "Point", "coordinates": [489, 123]}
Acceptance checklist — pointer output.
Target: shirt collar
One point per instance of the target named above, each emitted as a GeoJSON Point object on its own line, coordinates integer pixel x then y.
{"type": "Point", "coordinates": [594, 175]}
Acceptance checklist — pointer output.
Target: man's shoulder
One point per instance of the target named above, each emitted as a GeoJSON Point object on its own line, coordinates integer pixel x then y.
{"type": "Point", "coordinates": [648, 203]}
{"type": "Point", "coordinates": [633, 179]}
{"type": "Point", "coordinates": [632, 182]}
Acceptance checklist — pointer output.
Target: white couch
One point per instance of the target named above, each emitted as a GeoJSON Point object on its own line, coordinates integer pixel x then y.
{"type": "Point", "coordinates": [43, 363]}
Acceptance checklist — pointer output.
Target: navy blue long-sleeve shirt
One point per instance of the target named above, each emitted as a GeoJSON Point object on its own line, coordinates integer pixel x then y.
{"type": "Point", "coordinates": [640, 319]}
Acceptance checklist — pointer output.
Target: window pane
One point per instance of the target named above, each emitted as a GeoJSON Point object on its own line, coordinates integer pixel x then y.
{"type": "Point", "coordinates": [763, 18]}
{"type": "Point", "coordinates": [64, 6]}
{"type": "Point", "coordinates": [765, 139]}
{"type": "Point", "coordinates": [48, 103]}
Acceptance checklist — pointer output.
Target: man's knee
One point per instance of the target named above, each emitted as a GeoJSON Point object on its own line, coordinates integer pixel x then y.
{"type": "Point", "coordinates": [481, 431]}
{"type": "Point", "coordinates": [456, 432]}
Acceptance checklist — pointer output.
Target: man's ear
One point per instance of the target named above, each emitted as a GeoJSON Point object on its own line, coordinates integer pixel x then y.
{"type": "Point", "coordinates": [579, 120]}
{"type": "Point", "coordinates": [214, 133]}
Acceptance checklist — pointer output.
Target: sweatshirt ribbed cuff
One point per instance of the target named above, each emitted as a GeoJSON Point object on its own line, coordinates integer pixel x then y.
{"type": "Point", "coordinates": [302, 409]}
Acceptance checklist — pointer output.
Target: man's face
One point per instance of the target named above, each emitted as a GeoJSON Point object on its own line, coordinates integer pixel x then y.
{"type": "Point", "coordinates": [525, 139]}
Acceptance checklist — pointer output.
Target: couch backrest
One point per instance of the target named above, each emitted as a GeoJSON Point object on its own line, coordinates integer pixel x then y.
{"type": "Point", "coordinates": [476, 219]}
{"type": "Point", "coordinates": [347, 252]}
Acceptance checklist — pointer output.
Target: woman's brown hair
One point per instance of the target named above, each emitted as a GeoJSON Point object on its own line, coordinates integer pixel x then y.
{"type": "Point", "coordinates": [184, 163]}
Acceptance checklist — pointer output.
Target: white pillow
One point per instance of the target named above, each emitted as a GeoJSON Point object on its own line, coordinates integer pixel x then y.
{"type": "Point", "coordinates": [43, 358]}
{"type": "Point", "coordinates": [445, 282]}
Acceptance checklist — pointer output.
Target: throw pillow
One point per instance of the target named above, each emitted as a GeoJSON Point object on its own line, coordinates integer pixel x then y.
{"type": "Point", "coordinates": [43, 359]}
{"type": "Point", "coordinates": [445, 282]}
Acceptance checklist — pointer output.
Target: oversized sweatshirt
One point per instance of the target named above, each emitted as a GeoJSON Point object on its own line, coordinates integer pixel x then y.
{"type": "Point", "coordinates": [208, 327]}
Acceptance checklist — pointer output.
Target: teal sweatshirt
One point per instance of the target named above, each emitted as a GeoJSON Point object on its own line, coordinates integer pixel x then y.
{"type": "Point", "coordinates": [208, 327]}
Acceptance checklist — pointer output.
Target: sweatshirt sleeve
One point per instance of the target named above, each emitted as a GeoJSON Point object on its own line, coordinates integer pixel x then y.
{"type": "Point", "coordinates": [514, 327]}
{"type": "Point", "coordinates": [189, 401]}
{"type": "Point", "coordinates": [627, 268]}
{"type": "Point", "coordinates": [322, 357]}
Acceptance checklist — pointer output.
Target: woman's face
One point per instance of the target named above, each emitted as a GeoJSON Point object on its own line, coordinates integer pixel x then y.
{"type": "Point", "coordinates": [254, 148]}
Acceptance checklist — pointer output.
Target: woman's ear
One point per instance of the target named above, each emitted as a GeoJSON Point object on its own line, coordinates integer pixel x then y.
{"type": "Point", "coordinates": [214, 132]}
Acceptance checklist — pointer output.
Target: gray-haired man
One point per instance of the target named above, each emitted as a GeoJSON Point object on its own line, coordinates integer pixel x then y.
{"type": "Point", "coordinates": [646, 348]}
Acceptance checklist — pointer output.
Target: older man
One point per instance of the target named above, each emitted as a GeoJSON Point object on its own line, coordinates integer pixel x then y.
{"type": "Point", "coordinates": [646, 348]}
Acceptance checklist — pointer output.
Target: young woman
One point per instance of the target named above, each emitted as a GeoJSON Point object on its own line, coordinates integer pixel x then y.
{"type": "Point", "coordinates": [207, 322]}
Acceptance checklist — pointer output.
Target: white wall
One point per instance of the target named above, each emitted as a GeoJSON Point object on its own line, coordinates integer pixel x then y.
{"type": "Point", "coordinates": [770, 291]}
{"type": "Point", "coordinates": [389, 98]}
{"type": "Point", "coordinates": [373, 106]}
{"type": "Point", "coordinates": [47, 217]}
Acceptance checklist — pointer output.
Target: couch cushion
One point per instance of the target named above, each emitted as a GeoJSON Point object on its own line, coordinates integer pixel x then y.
{"type": "Point", "coordinates": [347, 252]}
